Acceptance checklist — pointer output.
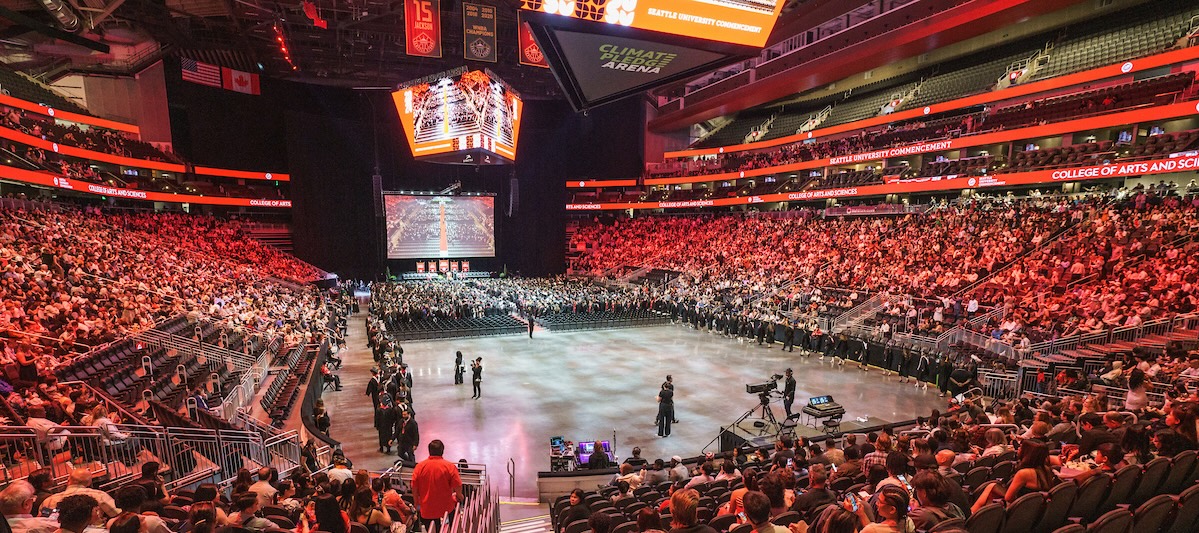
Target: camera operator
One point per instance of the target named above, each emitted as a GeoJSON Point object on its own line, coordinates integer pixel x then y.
{"type": "Point", "coordinates": [788, 391]}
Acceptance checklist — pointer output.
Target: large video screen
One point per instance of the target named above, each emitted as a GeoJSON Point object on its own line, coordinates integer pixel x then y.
{"type": "Point", "coordinates": [743, 22]}
{"type": "Point", "coordinates": [430, 227]}
{"type": "Point", "coordinates": [465, 117]}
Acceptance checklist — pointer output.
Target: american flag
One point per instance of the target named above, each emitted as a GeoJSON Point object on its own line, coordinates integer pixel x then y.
{"type": "Point", "coordinates": [202, 73]}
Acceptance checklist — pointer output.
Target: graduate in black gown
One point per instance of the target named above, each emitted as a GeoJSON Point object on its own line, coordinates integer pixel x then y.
{"type": "Point", "coordinates": [665, 409]}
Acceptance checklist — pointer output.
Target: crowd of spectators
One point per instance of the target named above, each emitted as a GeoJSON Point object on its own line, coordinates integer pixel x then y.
{"type": "Point", "coordinates": [86, 137]}
{"type": "Point", "coordinates": [301, 501]}
{"type": "Point", "coordinates": [1128, 252]}
{"type": "Point", "coordinates": [951, 465]}
{"type": "Point", "coordinates": [115, 143]}
{"type": "Point", "coordinates": [1127, 262]}
{"type": "Point", "coordinates": [73, 279]}
{"type": "Point", "coordinates": [897, 133]}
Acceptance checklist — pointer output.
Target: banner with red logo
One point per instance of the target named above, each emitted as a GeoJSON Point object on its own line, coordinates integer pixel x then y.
{"type": "Point", "coordinates": [422, 28]}
{"type": "Point", "coordinates": [530, 53]}
{"type": "Point", "coordinates": [466, 266]}
{"type": "Point", "coordinates": [454, 266]}
{"type": "Point", "coordinates": [420, 267]}
{"type": "Point", "coordinates": [444, 265]}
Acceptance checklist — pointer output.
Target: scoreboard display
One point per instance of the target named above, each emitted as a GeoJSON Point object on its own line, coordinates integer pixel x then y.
{"type": "Point", "coordinates": [741, 22]}
{"type": "Point", "coordinates": [467, 117]}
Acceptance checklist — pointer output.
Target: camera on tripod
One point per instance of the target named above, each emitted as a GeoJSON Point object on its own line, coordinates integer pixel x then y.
{"type": "Point", "coordinates": [762, 388]}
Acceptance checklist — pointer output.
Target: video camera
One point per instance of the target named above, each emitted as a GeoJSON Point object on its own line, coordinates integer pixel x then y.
{"type": "Point", "coordinates": [762, 388]}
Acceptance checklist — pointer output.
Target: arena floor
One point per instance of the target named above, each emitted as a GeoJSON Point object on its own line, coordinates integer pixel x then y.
{"type": "Point", "coordinates": [584, 385]}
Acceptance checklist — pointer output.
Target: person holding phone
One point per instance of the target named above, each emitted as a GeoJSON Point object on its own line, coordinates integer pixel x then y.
{"type": "Point", "coordinates": [890, 507]}
{"type": "Point", "coordinates": [757, 513]}
{"type": "Point", "coordinates": [476, 373]}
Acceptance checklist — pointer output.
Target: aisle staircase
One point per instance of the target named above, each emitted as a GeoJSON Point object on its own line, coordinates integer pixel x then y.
{"type": "Point", "coordinates": [534, 524]}
{"type": "Point", "coordinates": [276, 235]}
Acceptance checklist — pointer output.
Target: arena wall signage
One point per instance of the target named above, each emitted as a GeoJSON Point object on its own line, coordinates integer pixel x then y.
{"type": "Point", "coordinates": [606, 65]}
{"type": "Point", "coordinates": [1182, 162]}
{"type": "Point", "coordinates": [1124, 68]}
{"type": "Point", "coordinates": [1164, 112]}
{"type": "Point", "coordinates": [56, 181]}
{"type": "Point", "coordinates": [241, 174]}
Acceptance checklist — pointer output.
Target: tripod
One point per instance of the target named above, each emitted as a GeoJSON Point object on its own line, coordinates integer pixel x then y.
{"type": "Point", "coordinates": [766, 415]}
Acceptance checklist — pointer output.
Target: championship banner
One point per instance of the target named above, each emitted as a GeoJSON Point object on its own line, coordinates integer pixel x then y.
{"type": "Point", "coordinates": [444, 265]}
{"type": "Point", "coordinates": [466, 266]}
{"type": "Point", "coordinates": [478, 32]}
{"type": "Point", "coordinates": [422, 28]}
{"type": "Point", "coordinates": [420, 267]}
{"type": "Point", "coordinates": [530, 53]}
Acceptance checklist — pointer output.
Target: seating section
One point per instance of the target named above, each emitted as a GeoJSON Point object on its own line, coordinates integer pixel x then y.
{"type": "Point", "coordinates": [1169, 143]}
{"type": "Point", "coordinates": [1159, 496]}
{"type": "Point", "coordinates": [958, 167]}
{"type": "Point", "coordinates": [961, 78]}
{"type": "Point", "coordinates": [17, 85]}
{"type": "Point", "coordinates": [285, 389]}
{"type": "Point", "coordinates": [1160, 90]}
{"type": "Point", "coordinates": [602, 320]}
{"type": "Point", "coordinates": [1078, 155]}
{"type": "Point", "coordinates": [168, 263]}
{"type": "Point", "coordinates": [848, 179]}
{"type": "Point", "coordinates": [478, 307]}
{"type": "Point", "coordinates": [1130, 34]}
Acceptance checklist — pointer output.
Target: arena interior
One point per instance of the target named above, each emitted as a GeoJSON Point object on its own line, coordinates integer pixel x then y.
{"type": "Point", "coordinates": [382, 266]}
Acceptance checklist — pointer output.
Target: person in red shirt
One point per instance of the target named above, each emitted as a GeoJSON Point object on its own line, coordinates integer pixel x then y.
{"type": "Point", "coordinates": [436, 487]}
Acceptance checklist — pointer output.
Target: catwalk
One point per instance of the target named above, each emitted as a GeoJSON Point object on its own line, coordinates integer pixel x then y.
{"type": "Point", "coordinates": [584, 385]}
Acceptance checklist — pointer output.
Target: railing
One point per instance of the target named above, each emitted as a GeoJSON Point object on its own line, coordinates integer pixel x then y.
{"type": "Point", "coordinates": [852, 316]}
{"type": "Point", "coordinates": [480, 513]}
{"type": "Point", "coordinates": [999, 385]}
{"type": "Point", "coordinates": [243, 393]}
{"type": "Point", "coordinates": [189, 456]}
{"type": "Point", "coordinates": [215, 356]}
{"type": "Point", "coordinates": [283, 451]}
{"type": "Point", "coordinates": [986, 342]}
{"type": "Point", "coordinates": [1018, 65]}
{"type": "Point", "coordinates": [815, 120]}
{"type": "Point", "coordinates": [1156, 327]}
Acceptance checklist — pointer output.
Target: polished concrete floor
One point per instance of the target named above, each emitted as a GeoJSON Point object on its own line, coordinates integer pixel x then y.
{"type": "Point", "coordinates": [587, 385]}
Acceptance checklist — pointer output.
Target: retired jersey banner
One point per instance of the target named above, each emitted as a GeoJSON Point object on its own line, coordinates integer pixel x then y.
{"type": "Point", "coordinates": [530, 53]}
{"type": "Point", "coordinates": [478, 32]}
{"type": "Point", "coordinates": [422, 28]}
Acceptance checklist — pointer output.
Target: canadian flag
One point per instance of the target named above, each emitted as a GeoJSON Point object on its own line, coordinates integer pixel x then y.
{"type": "Point", "coordinates": [242, 82]}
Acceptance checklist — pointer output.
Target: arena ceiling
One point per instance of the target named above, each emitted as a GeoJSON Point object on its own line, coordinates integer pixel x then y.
{"type": "Point", "coordinates": [361, 46]}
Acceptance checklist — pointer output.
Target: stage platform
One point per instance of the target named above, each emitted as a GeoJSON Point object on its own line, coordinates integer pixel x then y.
{"type": "Point", "coordinates": [585, 385]}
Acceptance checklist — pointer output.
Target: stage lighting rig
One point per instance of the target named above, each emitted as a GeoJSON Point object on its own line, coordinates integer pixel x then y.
{"type": "Point", "coordinates": [453, 187]}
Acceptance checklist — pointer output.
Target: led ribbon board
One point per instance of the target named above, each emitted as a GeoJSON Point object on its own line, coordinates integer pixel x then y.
{"type": "Point", "coordinates": [740, 22]}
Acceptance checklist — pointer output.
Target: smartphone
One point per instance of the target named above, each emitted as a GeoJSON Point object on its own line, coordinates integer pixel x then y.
{"type": "Point", "coordinates": [741, 517]}
{"type": "Point", "coordinates": [853, 501]}
{"type": "Point", "coordinates": [834, 468]}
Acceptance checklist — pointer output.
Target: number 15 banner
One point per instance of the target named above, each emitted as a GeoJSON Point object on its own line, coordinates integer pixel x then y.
{"type": "Point", "coordinates": [422, 27]}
